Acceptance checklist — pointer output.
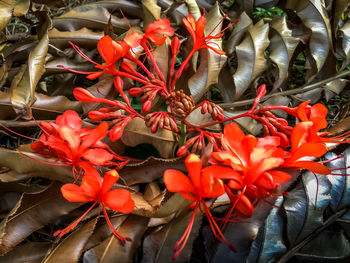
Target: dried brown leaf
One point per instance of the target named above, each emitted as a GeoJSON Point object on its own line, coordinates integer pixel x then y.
{"type": "Point", "coordinates": [250, 56]}
{"type": "Point", "coordinates": [314, 16]}
{"type": "Point", "coordinates": [32, 252]}
{"type": "Point", "coordinates": [32, 212]}
{"type": "Point", "coordinates": [45, 107]}
{"type": "Point", "coordinates": [111, 248]}
{"type": "Point", "coordinates": [151, 12]}
{"type": "Point", "coordinates": [32, 168]}
{"type": "Point", "coordinates": [242, 26]}
{"type": "Point", "coordinates": [131, 8]}
{"type": "Point", "coordinates": [193, 8]}
{"type": "Point", "coordinates": [149, 170]}
{"type": "Point", "coordinates": [136, 133]}
{"type": "Point", "coordinates": [22, 93]}
{"type": "Point", "coordinates": [71, 248]}
{"type": "Point", "coordinates": [248, 124]}
{"type": "Point", "coordinates": [159, 245]}
{"type": "Point", "coordinates": [84, 38]}
{"type": "Point", "coordinates": [93, 17]}
{"type": "Point", "coordinates": [5, 15]}
{"type": "Point", "coordinates": [282, 47]}
{"type": "Point", "coordinates": [345, 32]}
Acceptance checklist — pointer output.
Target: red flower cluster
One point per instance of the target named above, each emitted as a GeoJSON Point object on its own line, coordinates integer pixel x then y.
{"type": "Point", "coordinates": [249, 169]}
{"type": "Point", "coordinates": [94, 189]}
{"type": "Point", "coordinates": [72, 144]}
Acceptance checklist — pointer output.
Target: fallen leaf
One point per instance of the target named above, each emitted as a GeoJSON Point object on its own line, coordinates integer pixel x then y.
{"type": "Point", "coordinates": [92, 17]}
{"type": "Point", "coordinates": [250, 56]}
{"type": "Point", "coordinates": [136, 133]}
{"type": "Point", "coordinates": [32, 212]}
{"type": "Point", "coordinates": [149, 170]}
{"type": "Point", "coordinates": [71, 248]}
{"type": "Point", "coordinates": [22, 93]}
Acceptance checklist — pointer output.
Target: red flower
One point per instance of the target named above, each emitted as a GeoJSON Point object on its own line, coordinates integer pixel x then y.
{"type": "Point", "coordinates": [199, 185]}
{"type": "Point", "coordinates": [111, 51]}
{"type": "Point", "coordinates": [69, 142]}
{"type": "Point", "coordinates": [301, 148]}
{"type": "Point", "coordinates": [254, 162]}
{"type": "Point", "coordinates": [155, 32]}
{"type": "Point", "coordinates": [94, 189]}
{"type": "Point", "coordinates": [196, 29]}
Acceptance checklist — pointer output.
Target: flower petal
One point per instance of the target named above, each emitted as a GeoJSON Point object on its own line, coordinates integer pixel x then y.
{"type": "Point", "coordinates": [94, 135]}
{"type": "Point", "coordinates": [194, 167]}
{"type": "Point", "coordinates": [312, 166]}
{"type": "Point", "coordinates": [299, 134]}
{"type": "Point", "coordinates": [309, 149]}
{"type": "Point", "coordinates": [109, 179]}
{"type": "Point", "coordinates": [119, 200]}
{"type": "Point", "coordinates": [71, 136]}
{"type": "Point", "coordinates": [279, 177]}
{"type": "Point", "coordinates": [176, 181]}
{"type": "Point", "coordinates": [69, 118]}
{"type": "Point", "coordinates": [97, 156]}
{"type": "Point", "coordinates": [73, 193]}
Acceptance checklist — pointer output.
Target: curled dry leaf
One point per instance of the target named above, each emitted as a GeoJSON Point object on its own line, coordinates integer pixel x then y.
{"type": "Point", "coordinates": [84, 38]}
{"type": "Point", "coordinates": [197, 118]}
{"type": "Point", "coordinates": [72, 247]}
{"type": "Point", "coordinates": [32, 168]}
{"type": "Point", "coordinates": [93, 17]}
{"type": "Point", "coordinates": [136, 133]}
{"type": "Point", "coordinates": [22, 93]}
{"type": "Point", "coordinates": [345, 32]}
{"type": "Point", "coordinates": [159, 245]}
{"type": "Point", "coordinates": [52, 68]}
{"type": "Point", "coordinates": [5, 14]}
{"type": "Point", "coordinates": [31, 252]}
{"type": "Point", "coordinates": [32, 212]}
{"type": "Point", "coordinates": [45, 107]}
{"type": "Point", "coordinates": [250, 56]}
{"type": "Point", "coordinates": [103, 232]}
{"type": "Point", "coordinates": [151, 12]}
{"type": "Point", "coordinates": [149, 170]}
{"type": "Point", "coordinates": [193, 8]}
{"type": "Point", "coordinates": [282, 47]}
{"type": "Point", "coordinates": [334, 87]}
{"type": "Point", "coordinates": [111, 248]}
{"type": "Point", "coordinates": [131, 8]}
{"type": "Point", "coordinates": [211, 63]}
{"type": "Point", "coordinates": [242, 26]}
{"type": "Point", "coordinates": [314, 16]}
{"type": "Point", "coordinates": [339, 8]}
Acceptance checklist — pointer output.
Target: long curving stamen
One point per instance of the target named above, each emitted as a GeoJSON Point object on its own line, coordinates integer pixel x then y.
{"type": "Point", "coordinates": [77, 49]}
{"type": "Point", "coordinates": [185, 235]}
{"type": "Point", "coordinates": [62, 232]}
{"type": "Point", "coordinates": [56, 164]}
{"type": "Point", "coordinates": [213, 223]}
{"type": "Point", "coordinates": [114, 231]}
{"type": "Point", "coordinates": [21, 135]}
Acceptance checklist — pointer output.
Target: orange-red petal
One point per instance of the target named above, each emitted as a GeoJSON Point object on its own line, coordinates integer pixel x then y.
{"type": "Point", "coordinates": [73, 193]}
{"type": "Point", "coordinates": [176, 181]}
{"type": "Point", "coordinates": [119, 200]}
{"type": "Point", "coordinates": [97, 156]}
{"type": "Point", "coordinates": [110, 178]}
